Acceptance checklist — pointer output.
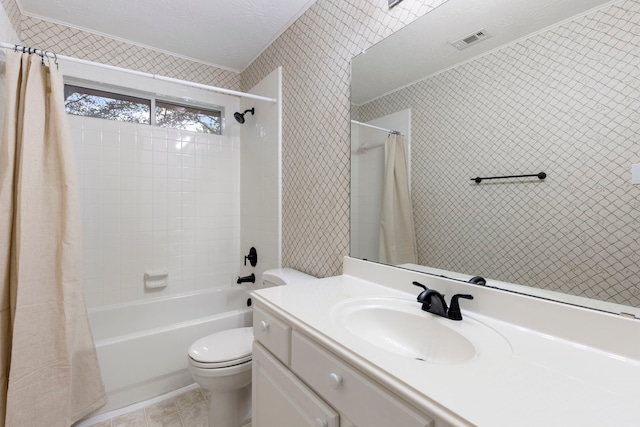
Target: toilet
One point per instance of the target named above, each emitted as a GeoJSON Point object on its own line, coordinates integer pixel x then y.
{"type": "Point", "coordinates": [221, 362]}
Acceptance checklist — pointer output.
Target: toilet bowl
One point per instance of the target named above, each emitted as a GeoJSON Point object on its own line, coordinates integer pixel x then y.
{"type": "Point", "coordinates": [221, 363]}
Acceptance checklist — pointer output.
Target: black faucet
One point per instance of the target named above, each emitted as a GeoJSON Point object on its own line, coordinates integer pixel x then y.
{"type": "Point", "coordinates": [250, 278]}
{"type": "Point", "coordinates": [434, 302]}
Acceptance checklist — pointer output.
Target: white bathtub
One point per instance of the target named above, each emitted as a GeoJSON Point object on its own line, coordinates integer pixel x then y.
{"type": "Point", "coordinates": [142, 346]}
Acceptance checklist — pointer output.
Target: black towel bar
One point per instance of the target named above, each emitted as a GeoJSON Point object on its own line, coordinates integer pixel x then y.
{"type": "Point", "coordinates": [540, 175]}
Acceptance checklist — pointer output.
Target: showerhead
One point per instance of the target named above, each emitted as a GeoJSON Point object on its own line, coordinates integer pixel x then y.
{"type": "Point", "coordinates": [240, 116]}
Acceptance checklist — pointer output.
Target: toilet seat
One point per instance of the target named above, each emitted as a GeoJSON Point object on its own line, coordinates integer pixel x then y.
{"type": "Point", "coordinates": [222, 349]}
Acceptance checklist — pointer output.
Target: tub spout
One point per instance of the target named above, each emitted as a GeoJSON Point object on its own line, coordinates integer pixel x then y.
{"type": "Point", "coordinates": [251, 278]}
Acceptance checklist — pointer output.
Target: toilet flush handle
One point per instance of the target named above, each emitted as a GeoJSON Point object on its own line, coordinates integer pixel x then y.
{"type": "Point", "coordinates": [264, 325]}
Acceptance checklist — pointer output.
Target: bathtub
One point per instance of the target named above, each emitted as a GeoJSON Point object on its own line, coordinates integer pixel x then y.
{"type": "Point", "coordinates": [142, 346]}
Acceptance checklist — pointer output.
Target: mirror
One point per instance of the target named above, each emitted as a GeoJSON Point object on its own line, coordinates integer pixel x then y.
{"type": "Point", "coordinates": [500, 88]}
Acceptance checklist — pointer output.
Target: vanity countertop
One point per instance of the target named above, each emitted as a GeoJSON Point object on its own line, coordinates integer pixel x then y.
{"type": "Point", "coordinates": [535, 378]}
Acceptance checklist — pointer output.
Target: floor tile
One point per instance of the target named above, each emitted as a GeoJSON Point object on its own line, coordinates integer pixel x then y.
{"type": "Point", "coordinates": [165, 420]}
{"type": "Point", "coordinates": [132, 419]}
{"type": "Point", "coordinates": [196, 415]}
{"type": "Point", "coordinates": [188, 399]}
{"type": "Point", "coordinates": [189, 409]}
{"type": "Point", "coordinates": [161, 409]}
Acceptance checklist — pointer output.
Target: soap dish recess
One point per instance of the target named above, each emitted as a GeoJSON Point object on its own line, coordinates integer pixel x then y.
{"type": "Point", "coordinates": [156, 279]}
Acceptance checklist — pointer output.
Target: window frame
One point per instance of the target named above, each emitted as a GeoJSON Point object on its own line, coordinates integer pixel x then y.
{"type": "Point", "coordinates": [124, 93]}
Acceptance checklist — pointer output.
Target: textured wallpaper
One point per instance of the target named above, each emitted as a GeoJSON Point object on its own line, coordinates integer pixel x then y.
{"type": "Point", "coordinates": [315, 53]}
{"type": "Point", "coordinates": [566, 102]}
{"type": "Point", "coordinates": [92, 47]}
{"type": "Point", "coordinates": [13, 13]}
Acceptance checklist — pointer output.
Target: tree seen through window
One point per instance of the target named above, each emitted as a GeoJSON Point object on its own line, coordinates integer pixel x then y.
{"type": "Point", "coordinates": [125, 108]}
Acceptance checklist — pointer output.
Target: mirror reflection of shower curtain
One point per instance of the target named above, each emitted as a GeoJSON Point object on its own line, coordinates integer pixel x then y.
{"type": "Point", "coordinates": [397, 243]}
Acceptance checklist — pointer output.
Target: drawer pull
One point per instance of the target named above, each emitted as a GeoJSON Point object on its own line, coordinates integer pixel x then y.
{"type": "Point", "coordinates": [264, 325]}
{"type": "Point", "coordinates": [321, 423]}
{"type": "Point", "coordinates": [335, 380]}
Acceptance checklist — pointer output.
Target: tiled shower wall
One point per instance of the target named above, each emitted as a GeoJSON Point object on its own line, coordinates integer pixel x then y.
{"type": "Point", "coordinates": [315, 53]}
{"type": "Point", "coordinates": [566, 102]}
{"type": "Point", "coordinates": [155, 200]}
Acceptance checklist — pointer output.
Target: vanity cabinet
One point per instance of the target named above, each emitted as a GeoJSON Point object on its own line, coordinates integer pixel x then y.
{"type": "Point", "coordinates": [282, 400]}
{"type": "Point", "coordinates": [298, 382]}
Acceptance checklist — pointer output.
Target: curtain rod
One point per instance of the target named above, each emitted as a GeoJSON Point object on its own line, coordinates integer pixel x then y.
{"type": "Point", "coordinates": [376, 127]}
{"type": "Point", "coordinates": [140, 73]}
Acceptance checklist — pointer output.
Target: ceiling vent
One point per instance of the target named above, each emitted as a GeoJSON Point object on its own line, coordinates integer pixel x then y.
{"type": "Point", "coordinates": [471, 39]}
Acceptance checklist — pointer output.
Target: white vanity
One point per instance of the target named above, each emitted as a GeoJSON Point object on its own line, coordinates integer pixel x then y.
{"type": "Point", "coordinates": [357, 350]}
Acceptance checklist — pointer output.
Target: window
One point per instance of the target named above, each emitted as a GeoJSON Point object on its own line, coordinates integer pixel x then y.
{"type": "Point", "coordinates": [176, 116]}
{"type": "Point", "coordinates": [83, 101]}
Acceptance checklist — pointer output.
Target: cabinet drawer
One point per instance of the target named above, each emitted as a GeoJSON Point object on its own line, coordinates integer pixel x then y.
{"type": "Point", "coordinates": [347, 390]}
{"type": "Point", "coordinates": [272, 333]}
{"type": "Point", "coordinates": [280, 399]}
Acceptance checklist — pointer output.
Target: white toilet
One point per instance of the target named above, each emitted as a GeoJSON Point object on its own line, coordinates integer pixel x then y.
{"type": "Point", "coordinates": [221, 362]}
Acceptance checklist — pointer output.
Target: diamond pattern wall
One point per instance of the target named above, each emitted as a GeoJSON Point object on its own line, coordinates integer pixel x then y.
{"type": "Point", "coordinates": [92, 47]}
{"type": "Point", "coordinates": [566, 102]}
{"type": "Point", "coordinates": [13, 12]}
{"type": "Point", "coordinates": [315, 53]}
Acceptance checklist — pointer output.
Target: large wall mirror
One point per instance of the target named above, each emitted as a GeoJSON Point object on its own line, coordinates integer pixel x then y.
{"type": "Point", "coordinates": [502, 88]}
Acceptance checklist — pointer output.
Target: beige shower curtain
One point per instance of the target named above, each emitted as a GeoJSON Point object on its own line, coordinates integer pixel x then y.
{"type": "Point", "coordinates": [397, 243]}
{"type": "Point", "coordinates": [49, 369]}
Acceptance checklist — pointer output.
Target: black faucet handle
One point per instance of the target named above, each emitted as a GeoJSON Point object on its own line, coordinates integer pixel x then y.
{"type": "Point", "coordinates": [454, 309]}
{"type": "Point", "coordinates": [252, 257]}
{"type": "Point", "coordinates": [420, 285]}
{"type": "Point", "coordinates": [423, 298]}
{"type": "Point", "coordinates": [478, 280]}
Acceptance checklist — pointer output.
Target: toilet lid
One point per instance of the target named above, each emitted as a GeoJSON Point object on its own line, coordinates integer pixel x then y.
{"type": "Point", "coordinates": [232, 345]}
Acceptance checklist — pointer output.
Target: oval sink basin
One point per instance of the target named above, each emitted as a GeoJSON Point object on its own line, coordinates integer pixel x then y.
{"type": "Point", "coordinates": [401, 327]}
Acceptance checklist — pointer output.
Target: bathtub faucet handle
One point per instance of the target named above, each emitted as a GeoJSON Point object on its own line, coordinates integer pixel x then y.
{"type": "Point", "coordinates": [252, 257]}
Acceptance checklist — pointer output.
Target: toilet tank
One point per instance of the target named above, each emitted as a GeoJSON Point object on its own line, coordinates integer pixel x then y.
{"type": "Point", "coordinates": [284, 276]}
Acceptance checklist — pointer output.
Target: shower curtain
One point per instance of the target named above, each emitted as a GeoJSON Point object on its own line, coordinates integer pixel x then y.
{"type": "Point", "coordinates": [49, 368]}
{"type": "Point", "coordinates": [397, 242]}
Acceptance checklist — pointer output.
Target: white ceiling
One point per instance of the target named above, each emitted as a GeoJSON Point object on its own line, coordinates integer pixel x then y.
{"type": "Point", "coordinates": [225, 33]}
{"type": "Point", "coordinates": [424, 48]}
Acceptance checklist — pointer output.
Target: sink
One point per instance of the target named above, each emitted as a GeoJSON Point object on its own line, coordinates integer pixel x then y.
{"type": "Point", "coordinates": [401, 327]}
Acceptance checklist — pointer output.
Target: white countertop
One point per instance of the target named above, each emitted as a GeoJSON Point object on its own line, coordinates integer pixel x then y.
{"type": "Point", "coordinates": [534, 378]}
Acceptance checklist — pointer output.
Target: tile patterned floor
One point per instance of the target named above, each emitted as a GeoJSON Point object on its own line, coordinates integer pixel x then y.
{"type": "Point", "coordinates": [185, 410]}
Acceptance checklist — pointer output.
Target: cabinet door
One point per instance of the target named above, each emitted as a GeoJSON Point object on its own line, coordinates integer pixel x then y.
{"type": "Point", "coordinates": [282, 400]}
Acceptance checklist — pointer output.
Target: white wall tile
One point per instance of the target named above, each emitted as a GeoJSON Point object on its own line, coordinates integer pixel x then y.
{"type": "Point", "coordinates": [142, 190]}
